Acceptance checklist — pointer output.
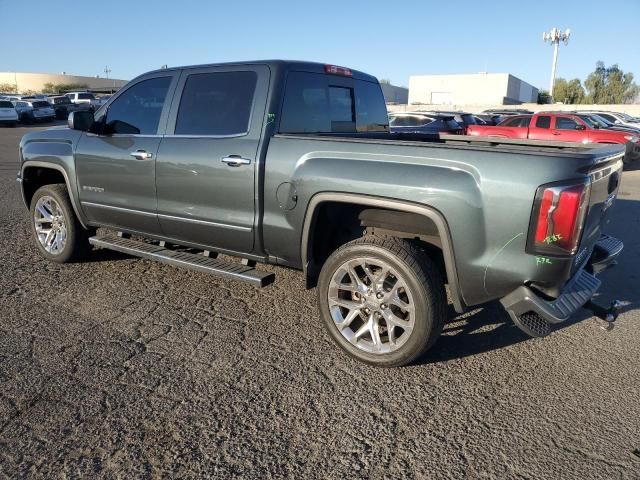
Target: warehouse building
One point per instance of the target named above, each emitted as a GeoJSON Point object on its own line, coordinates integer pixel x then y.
{"type": "Point", "coordinates": [34, 82]}
{"type": "Point", "coordinates": [471, 89]}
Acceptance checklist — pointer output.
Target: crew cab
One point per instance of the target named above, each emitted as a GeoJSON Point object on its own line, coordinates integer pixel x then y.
{"type": "Point", "coordinates": [292, 164]}
{"type": "Point", "coordinates": [559, 127]}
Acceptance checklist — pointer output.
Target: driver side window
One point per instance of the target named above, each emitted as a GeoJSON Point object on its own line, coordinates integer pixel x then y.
{"type": "Point", "coordinates": [137, 111]}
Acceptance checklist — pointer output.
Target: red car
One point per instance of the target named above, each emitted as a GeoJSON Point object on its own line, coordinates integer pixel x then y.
{"type": "Point", "coordinates": [559, 127]}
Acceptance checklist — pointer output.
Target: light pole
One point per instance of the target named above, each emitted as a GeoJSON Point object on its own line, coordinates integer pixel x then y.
{"type": "Point", "coordinates": [555, 36]}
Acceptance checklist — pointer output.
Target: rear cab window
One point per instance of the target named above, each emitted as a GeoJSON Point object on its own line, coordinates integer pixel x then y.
{"type": "Point", "coordinates": [324, 103]}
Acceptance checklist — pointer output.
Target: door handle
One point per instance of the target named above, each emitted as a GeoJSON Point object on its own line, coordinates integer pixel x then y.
{"type": "Point", "coordinates": [555, 133]}
{"type": "Point", "coordinates": [236, 160]}
{"type": "Point", "coordinates": [141, 155]}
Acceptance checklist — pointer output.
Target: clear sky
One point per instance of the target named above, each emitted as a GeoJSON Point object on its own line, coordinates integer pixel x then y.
{"type": "Point", "coordinates": [390, 39]}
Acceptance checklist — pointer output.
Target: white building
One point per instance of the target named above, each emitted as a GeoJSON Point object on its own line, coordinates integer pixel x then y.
{"type": "Point", "coordinates": [471, 89]}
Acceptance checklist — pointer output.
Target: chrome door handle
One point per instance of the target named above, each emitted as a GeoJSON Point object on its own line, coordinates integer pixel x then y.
{"type": "Point", "coordinates": [141, 155]}
{"type": "Point", "coordinates": [236, 160]}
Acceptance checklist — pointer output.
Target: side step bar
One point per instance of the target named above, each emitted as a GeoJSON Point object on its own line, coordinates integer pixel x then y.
{"type": "Point", "coordinates": [190, 261]}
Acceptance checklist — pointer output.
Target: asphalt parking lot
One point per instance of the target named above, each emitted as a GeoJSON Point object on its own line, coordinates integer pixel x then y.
{"type": "Point", "coordinates": [121, 367]}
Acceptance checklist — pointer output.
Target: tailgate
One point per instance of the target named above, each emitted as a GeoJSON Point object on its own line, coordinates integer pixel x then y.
{"type": "Point", "coordinates": [606, 175]}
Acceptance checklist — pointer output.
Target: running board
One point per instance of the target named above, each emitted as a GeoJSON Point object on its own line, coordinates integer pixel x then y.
{"type": "Point", "coordinates": [191, 261]}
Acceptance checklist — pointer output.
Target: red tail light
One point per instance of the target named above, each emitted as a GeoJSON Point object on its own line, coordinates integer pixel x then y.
{"type": "Point", "coordinates": [335, 70]}
{"type": "Point", "coordinates": [558, 218]}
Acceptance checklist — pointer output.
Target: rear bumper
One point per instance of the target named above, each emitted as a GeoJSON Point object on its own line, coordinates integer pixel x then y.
{"type": "Point", "coordinates": [524, 301]}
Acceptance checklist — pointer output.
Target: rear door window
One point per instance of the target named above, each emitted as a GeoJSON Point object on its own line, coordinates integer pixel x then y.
{"type": "Point", "coordinates": [216, 104]}
{"type": "Point", "coordinates": [543, 121]}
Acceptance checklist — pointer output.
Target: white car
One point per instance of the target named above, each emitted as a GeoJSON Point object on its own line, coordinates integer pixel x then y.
{"type": "Point", "coordinates": [85, 99]}
{"type": "Point", "coordinates": [8, 114]}
{"type": "Point", "coordinates": [617, 118]}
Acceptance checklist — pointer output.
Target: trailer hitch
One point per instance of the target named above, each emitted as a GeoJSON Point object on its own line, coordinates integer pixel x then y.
{"type": "Point", "coordinates": [607, 314]}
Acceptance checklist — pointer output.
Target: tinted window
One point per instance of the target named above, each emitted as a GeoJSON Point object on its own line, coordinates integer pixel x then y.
{"type": "Point", "coordinates": [565, 123]}
{"type": "Point", "coordinates": [543, 122]}
{"type": "Point", "coordinates": [468, 119]}
{"type": "Point", "coordinates": [371, 110]}
{"type": "Point", "coordinates": [85, 96]}
{"type": "Point", "coordinates": [451, 123]}
{"type": "Point", "coordinates": [138, 109]}
{"type": "Point", "coordinates": [40, 104]}
{"type": "Point", "coordinates": [216, 104]}
{"type": "Point", "coordinates": [609, 118]}
{"type": "Point", "coordinates": [341, 109]}
{"type": "Point", "coordinates": [4, 104]}
{"type": "Point", "coordinates": [314, 104]}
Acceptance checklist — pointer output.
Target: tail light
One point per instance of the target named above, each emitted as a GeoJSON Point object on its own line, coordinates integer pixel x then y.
{"type": "Point", "coordinates": [558, 218]}
{"type": "Point", "coordinates": [336, 70]}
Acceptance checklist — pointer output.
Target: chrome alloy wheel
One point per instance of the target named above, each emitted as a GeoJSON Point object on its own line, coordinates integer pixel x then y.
{"type": "Point", "coordinates": [371, 305]}
{"type": "Point", "coordinates": [51, 226]}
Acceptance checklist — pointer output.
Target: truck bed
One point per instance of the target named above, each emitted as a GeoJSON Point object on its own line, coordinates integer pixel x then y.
{"type": "Point", "coordinates": [467, 142]}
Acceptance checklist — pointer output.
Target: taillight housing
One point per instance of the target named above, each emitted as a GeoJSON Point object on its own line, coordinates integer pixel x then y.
{"type": "Point", "coordinates": [336, 70]}
{"type": "Point", "coordinates": [558, 217]}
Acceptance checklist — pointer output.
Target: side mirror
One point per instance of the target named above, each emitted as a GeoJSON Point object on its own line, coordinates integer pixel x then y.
{"type": "Point", "coordinates": [80, 120]}
{"type": "Point", "coordinates": [580, 127]}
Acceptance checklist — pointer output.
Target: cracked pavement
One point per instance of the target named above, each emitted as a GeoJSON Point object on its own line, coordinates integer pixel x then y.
{"type": "Point", "coordinates": [120, 367]}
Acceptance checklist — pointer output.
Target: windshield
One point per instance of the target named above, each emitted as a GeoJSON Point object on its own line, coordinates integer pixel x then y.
{"type": "Point", "coordinates": [40, 104]}
{"type": "Point", "coordinates": [469, 119]}
{"type": "Point", "coordinates": [5, 104]}
{"type": "Point", "coordinates": [61, 100]}
{"type": "Point", "coordinates": [589, 121]}
{"type": "Point", "coordinates": [601, 121]}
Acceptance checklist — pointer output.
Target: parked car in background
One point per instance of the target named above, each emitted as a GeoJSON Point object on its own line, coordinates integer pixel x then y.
{"type": "Point", "coordinates": [560, 127]}
{"type": "Point", "coordinates": [62, 105]}
{"type": "Point", "coordinates": [464, 119]}
{"type": "Point", "coordinates": [487, 119]}
{"type": "Point", "coordinates": [600, 122]}
{"type": "Point", "coordinates": [101, 100]}
{"type": "Point", "coordinates": [86, 99]}
{"type": "Point", "coordinates": [424, 123]}
{"type": "Point", "coordinates": [8, 114]}
{"type": "Point", "coordinates": [30, 111]}
{"type": "Point", "coordinates": [617, 118]}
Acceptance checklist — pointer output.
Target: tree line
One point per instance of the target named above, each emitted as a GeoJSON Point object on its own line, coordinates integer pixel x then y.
{"type": "Point", "coordinates": [603, 86]}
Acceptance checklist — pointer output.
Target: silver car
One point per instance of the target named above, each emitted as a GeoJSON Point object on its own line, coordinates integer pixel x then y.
{"type": "Point", "coordinates": [30, 111]}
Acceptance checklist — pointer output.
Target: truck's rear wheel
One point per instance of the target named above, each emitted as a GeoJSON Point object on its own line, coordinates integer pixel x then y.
{"type": "Point", "coordinates": [58, 234]}
{"type": "Point", "coordinates": [382, 300]}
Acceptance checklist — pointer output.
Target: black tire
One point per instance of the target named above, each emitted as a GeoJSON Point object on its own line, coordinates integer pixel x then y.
{"type": "Point", "coordinates": [421, 276]}
{"type": "Point", "coordinates": [77, 238]}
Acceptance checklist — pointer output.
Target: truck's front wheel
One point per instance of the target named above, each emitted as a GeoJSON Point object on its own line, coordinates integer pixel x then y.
{"type": "Point", "coordinates": [56, 230]}
{"type": "Point", "coordinates": [382, 300]}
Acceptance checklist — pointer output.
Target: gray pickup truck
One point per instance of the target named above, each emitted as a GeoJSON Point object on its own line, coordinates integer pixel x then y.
{"type": "Point", "coordinates": [220, 167]}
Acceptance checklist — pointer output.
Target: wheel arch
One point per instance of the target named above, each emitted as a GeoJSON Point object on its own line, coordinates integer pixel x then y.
{"type": "Point", "coordinates": [391, 216]}
{"type": "Point", "coordinates": [34, 175]}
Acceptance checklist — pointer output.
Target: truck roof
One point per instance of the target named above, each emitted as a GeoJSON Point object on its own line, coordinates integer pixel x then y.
{"type": "Point", "coordinates": [278, 65]}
